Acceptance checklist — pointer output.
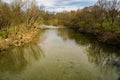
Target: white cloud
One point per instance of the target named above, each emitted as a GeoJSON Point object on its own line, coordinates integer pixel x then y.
{"type": "Point", "coordinates": [47, 3]}
{"type": "Point", "coordinates": [64, 8]}
{"type": "Point", "coordinates": [61, 5]}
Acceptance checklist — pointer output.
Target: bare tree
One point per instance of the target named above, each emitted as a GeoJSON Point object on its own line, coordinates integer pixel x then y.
{"type": "Point", "coordinates": [109, 10]}
{"type": "Point", "coordinates": [32, 13]}
{"type": "Point", "coordinates": [112, 11]}
{"type": "Point", "coordinates": [101, 6]}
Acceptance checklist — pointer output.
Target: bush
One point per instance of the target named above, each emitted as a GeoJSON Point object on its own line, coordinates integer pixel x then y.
{"type": "Point", "coordinates": [106, 26]}
{"type": "Point", "coordinates": [81, 23]}
{"type": "Point", "coordinates": [98, 25]}
{"type": "Point", "coordinates": [3, 33]}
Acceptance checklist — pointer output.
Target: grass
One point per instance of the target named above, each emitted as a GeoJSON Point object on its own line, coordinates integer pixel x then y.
{"type": "Point", "coordinates": [3, 33]}
{"type": "Point", "coordinates": [17, 36]}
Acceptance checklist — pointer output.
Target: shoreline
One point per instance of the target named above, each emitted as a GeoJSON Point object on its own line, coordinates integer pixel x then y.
{"type": "Point", "coordinates": [104, 38]}
{"type": "Point", "coordinates": [107, 37]}
{"type": "Point", "coordinates": [20, 38]}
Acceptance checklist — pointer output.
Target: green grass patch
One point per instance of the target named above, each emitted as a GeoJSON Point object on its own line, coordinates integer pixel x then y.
{"type": "Point", "coordinates": [106, 26]}
{"type": "Point", "coordinates": [3, 33]}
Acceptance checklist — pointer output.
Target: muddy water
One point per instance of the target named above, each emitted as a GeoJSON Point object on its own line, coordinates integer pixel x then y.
{"type": "Point", "coordinates": [61, 54]}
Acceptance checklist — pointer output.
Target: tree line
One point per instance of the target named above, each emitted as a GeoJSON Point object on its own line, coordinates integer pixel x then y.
{"type": "Point", "coordinates": [101, 20]}
{"type": "Point", "coordinates": [20, 12]}
{"type": "Point", "coordinates": [15, 13]}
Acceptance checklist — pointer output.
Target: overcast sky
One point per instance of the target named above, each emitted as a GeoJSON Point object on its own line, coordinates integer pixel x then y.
{"type": "Point", "coordinates": [60, 5]}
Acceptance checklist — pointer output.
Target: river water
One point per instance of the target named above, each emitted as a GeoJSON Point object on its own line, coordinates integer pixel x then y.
{"type": "Point", "coordinates": [61, 54]}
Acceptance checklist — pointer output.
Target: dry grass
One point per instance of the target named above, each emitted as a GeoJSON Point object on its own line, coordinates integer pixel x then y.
{"type": "Point", "coordinates": [20, 37]}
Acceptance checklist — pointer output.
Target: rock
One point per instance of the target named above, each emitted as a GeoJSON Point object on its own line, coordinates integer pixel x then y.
{"type": "Point", "coordinates": [16, 42]}
{"type": "Point", "coordinates": [71, 62]}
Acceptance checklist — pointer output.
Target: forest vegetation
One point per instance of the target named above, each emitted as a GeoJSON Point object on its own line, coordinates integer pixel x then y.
{"type": "Point", "coordinates": [20, 20]}
{"type": "Point", "coordinates": [101, 20]}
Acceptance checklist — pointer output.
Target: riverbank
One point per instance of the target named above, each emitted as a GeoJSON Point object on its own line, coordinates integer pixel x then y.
{"type": "Point", "coordinates": [107, 37]}
{"type": "Point", "coordinates": [19, 37]}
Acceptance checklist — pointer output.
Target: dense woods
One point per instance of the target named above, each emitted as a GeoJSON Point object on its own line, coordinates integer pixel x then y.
{"type": "Point", "coordinates": [19, 22]}
{"type": "Point", "coordinates": [19, 12]}
{"type": "Point", "coordinates": [20, 17]}
{"type": "Point", "coordinates": [101, 20]}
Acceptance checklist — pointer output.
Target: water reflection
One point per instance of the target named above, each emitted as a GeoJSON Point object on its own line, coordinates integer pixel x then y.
{"type": "Point", "coordinates": [15, 60]}
{"type": "Point", "coordinates": [105, 57]}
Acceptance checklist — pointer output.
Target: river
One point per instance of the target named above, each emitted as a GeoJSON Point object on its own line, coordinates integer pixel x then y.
{"type": "Point", "coordinates": [61, 54]}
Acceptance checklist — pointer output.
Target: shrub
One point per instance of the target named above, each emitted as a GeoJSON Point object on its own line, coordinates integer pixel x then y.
{"type": "Point", "coordinates": [106, 26]}
{"type": "Point", "coordinates": [81, 23]}
{"type": "Point", "coordinates": [3, 33]}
